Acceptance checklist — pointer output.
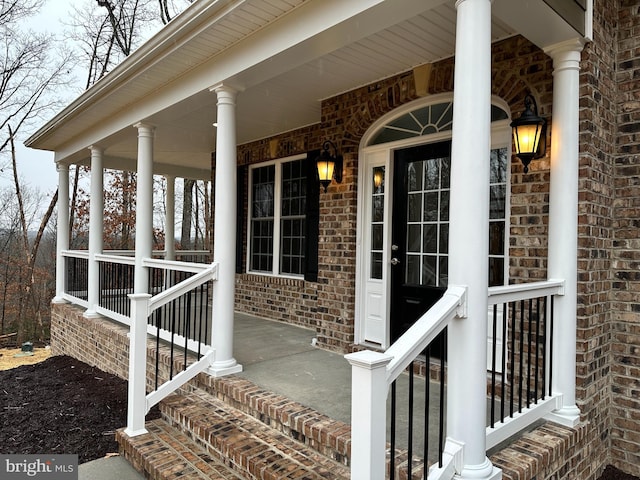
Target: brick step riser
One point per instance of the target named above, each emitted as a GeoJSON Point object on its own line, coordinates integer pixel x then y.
{"type": "Point", "coordinates": [242, 442]}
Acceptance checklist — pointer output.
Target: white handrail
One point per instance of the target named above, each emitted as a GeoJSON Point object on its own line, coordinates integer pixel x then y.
{"type": "Point", "coordinates": [525, 291]}
{"type": "Point", "coordinates": [75, 253]}
{"type": "Point", "coordinates": [114, 258]}
{"type": "Point", "coordinates": [424, 331]}
{"type": "Point", "coordinates": [183, 287]}
{"type": "Point", "coordinates": [174, 265]}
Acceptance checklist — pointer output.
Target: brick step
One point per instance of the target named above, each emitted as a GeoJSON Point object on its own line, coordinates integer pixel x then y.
{"type": "Point", "coordinates": [166, 453]}
{"type": "Point", "coordinates": [327, 436]}
{"type": "Point", "coordinates": [249, 446]}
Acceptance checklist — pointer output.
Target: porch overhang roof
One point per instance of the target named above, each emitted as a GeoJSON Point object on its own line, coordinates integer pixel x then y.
{"type": "Point", "coordinates": [284, 56]}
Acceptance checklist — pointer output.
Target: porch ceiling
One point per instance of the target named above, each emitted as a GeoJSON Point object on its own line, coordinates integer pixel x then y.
{"type": "Point", "coordinates": [283, 55]}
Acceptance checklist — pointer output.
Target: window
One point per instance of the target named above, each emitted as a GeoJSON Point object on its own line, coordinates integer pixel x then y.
{"type": "Point", "coordinates": [278, 207]}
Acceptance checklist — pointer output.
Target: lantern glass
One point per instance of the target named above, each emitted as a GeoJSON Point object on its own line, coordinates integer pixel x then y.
{"type": "Point", "coordinates": [325, 169]}
{"type": "Point", "coordinates": [526, 138]}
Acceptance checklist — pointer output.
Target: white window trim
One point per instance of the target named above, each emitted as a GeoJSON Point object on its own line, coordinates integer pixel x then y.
{"type": "Point", "coordinates": [277, 216]}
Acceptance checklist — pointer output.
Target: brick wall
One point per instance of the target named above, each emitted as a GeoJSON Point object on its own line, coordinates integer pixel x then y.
{"type": "Point", "coordinates": [328, 305]}
{"type": "Point", "coordinates": [625, 311]}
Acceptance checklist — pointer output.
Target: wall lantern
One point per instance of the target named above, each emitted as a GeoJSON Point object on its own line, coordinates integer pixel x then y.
{"type": "Point", "coordinates": [529, 133]}
{"type": "Point", "coordinates": [329, 165]}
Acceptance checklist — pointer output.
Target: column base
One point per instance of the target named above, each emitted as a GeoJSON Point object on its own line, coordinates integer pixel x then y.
{"type": "Point", "coordinates": [91, 314]}
{"type": "Point", "coordinates": [222, 369]}
{"type": "Point", "coordinates": [484, 471]}
{"type": "Point", "coordinates": [567, 416]}
{"type": "Point", "coordinates": [58, 300]}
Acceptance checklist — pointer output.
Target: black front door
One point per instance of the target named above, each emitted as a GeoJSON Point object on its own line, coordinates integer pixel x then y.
{"type": "Point", "coordinates": [420, 232]}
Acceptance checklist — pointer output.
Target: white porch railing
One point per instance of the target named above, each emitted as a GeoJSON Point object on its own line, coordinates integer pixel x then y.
{"type": "Point", "coordinates": [176, 310]}
{"type": "Point", "coordinates": [519, 391]}
{"type": "Point", "coordinates": [143, 307]}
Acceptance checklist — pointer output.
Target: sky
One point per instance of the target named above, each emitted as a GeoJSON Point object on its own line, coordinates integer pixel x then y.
{"type": "Point", "coordinates": [36, 167]}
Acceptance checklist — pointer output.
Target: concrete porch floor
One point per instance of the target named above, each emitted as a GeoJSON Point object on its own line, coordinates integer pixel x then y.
{"type": "Point", "coordinates": [281, 358]}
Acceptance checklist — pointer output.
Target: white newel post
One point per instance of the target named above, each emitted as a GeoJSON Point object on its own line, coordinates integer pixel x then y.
{"type": "Point", "coordinates": [137, 400]}
{"type": "Point", "coordinates": [563, 222]}
{"type": "Point", "coordinates": [62, 242]}
{"type": "Point", "coordinates": [144, 206]}
{"type": "Point", "coordinates": [469, 218]}
{"type": "Point", "coordinates": [224, 249]}
{"type": "Point", "coordinates": [96, 226]}
{"type": "Point", "coordinates": [369, 391]}
{"type": "Point", "coordinates": [170, 220]}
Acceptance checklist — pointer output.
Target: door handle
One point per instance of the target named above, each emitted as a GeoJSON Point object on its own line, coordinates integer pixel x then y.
{"type": "Point", "coordinates": [395, 261]}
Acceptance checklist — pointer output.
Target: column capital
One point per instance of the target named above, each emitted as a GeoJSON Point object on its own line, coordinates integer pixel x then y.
{"type": "Point", "coordinates": [96, 148]}
{"type": "Point", "coordinates": [459, 2]}
{"type": "Point", "coordinates": [62, 167]}
{"type": "Point", "coordinates": [145, 129]}
{"type": "Point", "coordinates": [567, 50]}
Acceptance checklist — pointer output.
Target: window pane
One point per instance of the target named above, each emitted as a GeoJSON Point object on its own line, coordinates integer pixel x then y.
{"type": "Point", "coordinates": [496, 271]}
{"type": "Point", "coordinates": [378, 180]}
{"type": "Point", "coordinates": [376, 265]}
{"type": "Point", "coordinates": [262, 245]}
{"type": "Point", "coordinates": [496, 238]}
{"type": "Point", "coordinates": [292, 246]}
{"type": "Point", "coordinates": [498, 165]}
{"type": "Point", "coordinates": [497, 198]}
{"type": "Point", "coordinates": [263, 192]}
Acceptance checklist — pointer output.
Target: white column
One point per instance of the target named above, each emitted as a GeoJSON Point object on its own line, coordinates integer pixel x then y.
{"type": "Point", "coordinates": [224, 251]}
{"type": "Point", "coordinates": [170, 220]}
{"type": "Point", "coordinates": [469, 236]}
{"type": "Point", "coordinates": [563, 222]}
{"type": "Point", "coordinates": [62, 242]}
{"type": "Point", "coordinates": [144, 206]}
{"type": "Point", "coordinates": [96, 226]}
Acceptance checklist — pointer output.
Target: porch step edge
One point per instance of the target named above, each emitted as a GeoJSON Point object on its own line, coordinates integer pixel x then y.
{"type": "Point", "coordinates": [164, 453]}
{"type": "Point", "coordinates": [245, 443]}
{"type": "Point", "coordinates": [329, 437]}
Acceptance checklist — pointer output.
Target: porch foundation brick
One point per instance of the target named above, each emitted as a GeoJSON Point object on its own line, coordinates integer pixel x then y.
{"type": "Point", "coordinates": [549, 451]}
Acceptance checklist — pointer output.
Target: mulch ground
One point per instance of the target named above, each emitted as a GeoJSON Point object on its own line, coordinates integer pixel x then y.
{"type": "Point", "coordinates": [61, 406]}
{"type": "Point", "coordinates": [64, 406]}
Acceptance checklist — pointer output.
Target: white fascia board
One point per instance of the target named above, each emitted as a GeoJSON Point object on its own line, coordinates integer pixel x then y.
{"type": "Point", "coordinates": [313, 29]}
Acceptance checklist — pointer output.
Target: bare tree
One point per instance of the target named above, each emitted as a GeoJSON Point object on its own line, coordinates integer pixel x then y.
{"type": "Point", "coordinates": [30, 71]}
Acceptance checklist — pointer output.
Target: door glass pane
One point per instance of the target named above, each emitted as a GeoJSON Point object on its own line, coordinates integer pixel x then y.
{"type": "Point", "coordinates": [429, 272]}
{"type": "Point", "coordinates": [432, 174]}
{"type": "Point", "coordinates": [414, 237]}
{"type": "Point", "coordinates": [376, 265]}
{"type": "Point", "coordinates": [431, 207]}
{"type": "Point", "coordinates": [496, 238]}
{"type": "Point", "coordinates": [414, 212]}
{"type": "Point", "coordinates": [413, 269]}
{"type": "Point", "coordinates": [377, 221]}
{"type": "Point", "coordinates": [430, 239]}
{"type": "Point", "coordinates": [443, 272]}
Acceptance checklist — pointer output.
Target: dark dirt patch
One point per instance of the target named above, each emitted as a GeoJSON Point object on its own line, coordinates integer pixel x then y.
{"type": "Point", "coordinates": [62, 406]}
{"type": "Point", "coordinates": [611, 473]}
